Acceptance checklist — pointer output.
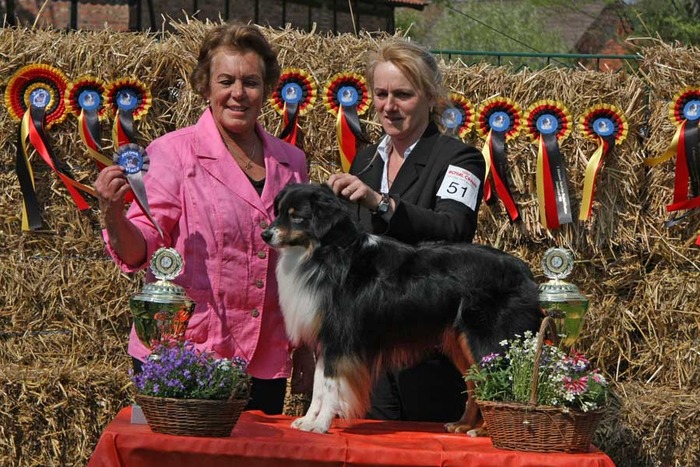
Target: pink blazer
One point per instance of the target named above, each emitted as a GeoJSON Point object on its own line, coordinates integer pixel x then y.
{"type": "Point", "coordinates": [211, 214]}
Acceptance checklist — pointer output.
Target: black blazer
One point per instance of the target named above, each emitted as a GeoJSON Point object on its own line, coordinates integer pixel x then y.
{"type": "Point", "coordinates": [420, 214]}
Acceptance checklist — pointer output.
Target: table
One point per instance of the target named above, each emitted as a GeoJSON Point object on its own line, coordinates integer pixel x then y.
{"type": "Point", "coordinates": [262, 440]}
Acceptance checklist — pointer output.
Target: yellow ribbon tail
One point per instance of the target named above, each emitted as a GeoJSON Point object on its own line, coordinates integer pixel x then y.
{"type": "Point", "coordinates": [540, 183]}
{"type": "Point", "coordinates": [589, 181]}
{"type": "Point", "coordinates": [670, 152]}
{"type": "Point", "coordinates": [486, 152]}
{"type": "Point", "coordinates": [24, 137]}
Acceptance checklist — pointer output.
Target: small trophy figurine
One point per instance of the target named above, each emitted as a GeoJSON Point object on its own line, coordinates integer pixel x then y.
{"type": "Point", "coordinates": [162, 309]}
{"type": "Point", "coordinates": [560, 299]}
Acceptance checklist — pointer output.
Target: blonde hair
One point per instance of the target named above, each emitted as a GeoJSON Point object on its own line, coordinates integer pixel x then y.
{"type": "Point", "coordinates": [417, 64]}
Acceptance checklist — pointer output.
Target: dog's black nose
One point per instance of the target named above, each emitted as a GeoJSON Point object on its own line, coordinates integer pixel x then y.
{"type": "Point", "coordinates": [266, 235]}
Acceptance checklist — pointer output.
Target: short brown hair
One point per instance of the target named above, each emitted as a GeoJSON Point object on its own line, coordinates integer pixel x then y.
{"type": "Point", "coordinates": [241, 37]}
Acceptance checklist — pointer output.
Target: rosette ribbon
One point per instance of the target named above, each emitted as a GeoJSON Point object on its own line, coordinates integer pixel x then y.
{"type": "Point", "coordinates": [498, 122]}
{"type": "Point", "coordinates": [133, 159]}
{"type": "Point", "coordinates": [34, 97]}
{"type": "Point", "coordinates": [547, 122]}
{"type": "Point", "coordinates": [458, 118]}
{"type": "Point", "coordinates": [685, 114]}
{"type": "Point", "coordinates": [128, 99]}
{"type": "Point", "coordinates": [605, 124]}
{"type": "Point", "coordinates": [346, 97]}
{"type": "Point", "coordinates": [295, 94]}
{"type": "Point", "coordinates": [84, 99]}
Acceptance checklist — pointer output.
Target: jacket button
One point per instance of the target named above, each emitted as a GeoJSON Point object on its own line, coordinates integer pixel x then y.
{"type": "Point", "coordinates": [264, 224]}
{"type": "Point", "coordinates": [255, 313]}
{"type": "Point", "coordinates": [262, 254]}
{"type": "Point", "coordinates": [259, 283]}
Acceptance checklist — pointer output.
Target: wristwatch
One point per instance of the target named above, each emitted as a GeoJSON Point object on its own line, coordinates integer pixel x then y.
{"type": "Point", "coordinates": [383, 206]}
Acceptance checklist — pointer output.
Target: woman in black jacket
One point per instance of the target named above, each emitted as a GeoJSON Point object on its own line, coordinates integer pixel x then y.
{"type": "Point", "coordinates": [415, 185]}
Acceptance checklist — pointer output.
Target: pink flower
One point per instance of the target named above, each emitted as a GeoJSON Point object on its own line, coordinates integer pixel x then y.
{"type": "Point", "coordinates": [576, 386]}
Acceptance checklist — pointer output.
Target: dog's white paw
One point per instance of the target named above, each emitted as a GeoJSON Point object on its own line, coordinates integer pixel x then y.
{"type": "Point", "coordinates": [311, 424]}
{"type": "Point", "coordinates": [475, 433]}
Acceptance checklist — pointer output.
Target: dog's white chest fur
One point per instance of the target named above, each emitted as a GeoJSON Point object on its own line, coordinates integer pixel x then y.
{"type": "Point", "coordinates": [298, 301]}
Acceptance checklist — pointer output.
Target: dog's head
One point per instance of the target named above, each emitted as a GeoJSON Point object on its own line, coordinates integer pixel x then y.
{"type": "Point", "coordinates": [309, 215]}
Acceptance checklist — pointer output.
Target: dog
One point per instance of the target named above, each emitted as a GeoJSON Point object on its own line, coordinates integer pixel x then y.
{"type": "Point", "coordinates": [368, 303]}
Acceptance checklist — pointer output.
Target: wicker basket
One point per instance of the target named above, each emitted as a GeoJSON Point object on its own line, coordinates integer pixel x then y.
{"type": "Point", "coordinates": [529, 427]}
{"type": "Point", "coordinates": [191, 417]}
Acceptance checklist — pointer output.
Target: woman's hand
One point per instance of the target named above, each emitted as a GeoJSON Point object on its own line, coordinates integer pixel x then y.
{"type": "Point", "coordinates": [111, 187]}
{"type": "Point", "coordinates": [353, 189]}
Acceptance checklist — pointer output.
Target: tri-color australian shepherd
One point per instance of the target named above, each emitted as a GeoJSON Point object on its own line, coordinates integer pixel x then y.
{"type": "Point", "coordinates": [368, 303]}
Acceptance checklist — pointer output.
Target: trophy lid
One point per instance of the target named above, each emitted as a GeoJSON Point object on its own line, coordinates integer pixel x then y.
{"type": "Point", "coordinates": [557, 264]}
{"type": "Point", "coordinates": [166, 265]}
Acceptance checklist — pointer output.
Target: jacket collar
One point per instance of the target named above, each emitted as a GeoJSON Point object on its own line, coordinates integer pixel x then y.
{"type": "Point", "coordinates": [414, 165]}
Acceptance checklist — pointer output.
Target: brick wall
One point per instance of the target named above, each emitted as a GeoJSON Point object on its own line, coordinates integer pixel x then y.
{"type": "Point", "coordinates": [100, 13]}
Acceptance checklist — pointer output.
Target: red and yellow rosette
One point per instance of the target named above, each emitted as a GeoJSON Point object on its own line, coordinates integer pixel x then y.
{"type": "Point", "coordinates": [345, 95]}
{"type": "Point", "coordinates": [128, 99]}
{"type": "Point", "coordinates": [34, 97]}
{"type": "Point", "coordinates": [547, 122]}
{"type": "Point", "coordinates": [458, 118]}
{"type": "Point", "coordinates": [685, 114]}
{"type": "Point", "coordinates": [84, 98]}
{"type": "Point", "coordinates": [605, 124]}
{"type": "Point", "coordinates": [498, 122]}
{"type": "Point", "coordinates": [294, 95]}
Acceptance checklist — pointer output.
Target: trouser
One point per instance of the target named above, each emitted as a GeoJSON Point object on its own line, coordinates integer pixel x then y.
{"type": "Point", "coordinates": [431, 391]}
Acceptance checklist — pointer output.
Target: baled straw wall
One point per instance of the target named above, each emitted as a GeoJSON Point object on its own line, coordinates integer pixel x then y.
{"type": "Point", "coordinates": [64, 306]}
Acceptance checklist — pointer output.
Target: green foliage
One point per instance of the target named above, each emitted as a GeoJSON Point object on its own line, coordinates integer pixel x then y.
{"type": "Point", "coordinates": [483, 26]}
{"type": "Point", "coordinates": [671, 21]}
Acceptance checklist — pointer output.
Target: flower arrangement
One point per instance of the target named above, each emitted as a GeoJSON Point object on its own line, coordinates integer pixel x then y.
{"type": "Point", "coordinates": [564, 381]}
{"type": "Point", "coordinates": [177, 370]}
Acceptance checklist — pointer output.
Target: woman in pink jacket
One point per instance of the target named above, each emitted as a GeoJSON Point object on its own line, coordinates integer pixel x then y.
{"type": "Point", "coordinates": [211, 188]}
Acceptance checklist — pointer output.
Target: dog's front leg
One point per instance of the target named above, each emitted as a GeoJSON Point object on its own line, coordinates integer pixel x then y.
{"type": "Point", "coordinates": [316, 397]}
{"type": "Point", "coordinates": [324, 402]}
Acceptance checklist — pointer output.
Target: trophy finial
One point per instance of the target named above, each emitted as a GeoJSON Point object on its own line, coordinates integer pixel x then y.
{"type": "Point", "coordinates": [166, 264]}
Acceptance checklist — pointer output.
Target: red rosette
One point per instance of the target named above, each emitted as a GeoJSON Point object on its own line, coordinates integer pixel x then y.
{"type": "Point", "coordinates": [44, 81]}
{"type": "Point", "coordinates": [354, 88]}
{"type": "Point", "coordinates": [602, 121]}
{"type": "Point", "coordinates": [499, 114]}
{"type": "Point", "coordinates": [88, 93]}
{"type": "Point", "coordinates": [295, 86]}
{"type": "Point", "coordinates": [685, 105]}
{"type": "Point", "coordinates": [461, 123]}
{"type": "Point", "coordinates": [128, 95]}
{"type": "Point", "coordinates": [548, 117]}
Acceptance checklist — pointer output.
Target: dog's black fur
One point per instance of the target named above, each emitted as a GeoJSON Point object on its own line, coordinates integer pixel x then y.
{"type": "Point", "coordinates": [368, 303]}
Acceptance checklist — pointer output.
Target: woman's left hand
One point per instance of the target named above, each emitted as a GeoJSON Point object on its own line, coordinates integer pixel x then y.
{"type": "Point", "coordinates": [353, 189]}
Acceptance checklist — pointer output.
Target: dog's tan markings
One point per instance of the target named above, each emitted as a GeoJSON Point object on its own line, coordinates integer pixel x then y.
{"type": "Point", "coordinates": [471, 421]}
{"type": "Point", "coordinates": [355, 386]}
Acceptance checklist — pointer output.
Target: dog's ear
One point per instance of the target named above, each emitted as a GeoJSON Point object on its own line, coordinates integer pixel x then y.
{"type": "Point", "coordinates": [281, 194]}
{"type": "Point", "coordinates": [330, 213]}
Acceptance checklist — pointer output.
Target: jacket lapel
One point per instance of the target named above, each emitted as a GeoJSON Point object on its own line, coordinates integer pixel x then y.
{"type": "Point", "coordinates": [416, 161]}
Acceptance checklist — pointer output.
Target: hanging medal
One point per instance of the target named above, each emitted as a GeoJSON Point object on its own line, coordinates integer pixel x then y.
{"type": "Point", "coordinates": [548, 122]}
{"type": "Point", "coordinates": [128, 99]}
{"type": "Point", "coordinates": [84, 99]}
{"type": "Point", "coordinates": [685, 114]}
{"type": "Point", "coordinates": [346, 97]}
{"type": "Point", "coordinates": [34, 97]}
{"type": "Point", "coordinates": [294, 96]}
{"type": "Point", "coordinates": [133, 159]}
{"type": "Point", "coordinates": [498, 122]}
{"type": "Point", "coordinates": [605, 124]}
{"type": "Point", "coordinates": [458, 118]}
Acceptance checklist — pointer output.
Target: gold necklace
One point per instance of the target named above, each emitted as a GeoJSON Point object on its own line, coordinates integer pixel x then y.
{"type": "Point", "coordinates": [247, 165]}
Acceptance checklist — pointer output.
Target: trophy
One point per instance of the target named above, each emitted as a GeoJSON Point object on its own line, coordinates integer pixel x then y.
{"type": "Point", "coordinates": [560, 299]}
{"type": "Point", "coordinates": [162, 309]}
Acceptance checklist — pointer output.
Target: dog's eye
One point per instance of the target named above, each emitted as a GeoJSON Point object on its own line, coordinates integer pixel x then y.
{"type": "Point", "coordinates": [296, 219]}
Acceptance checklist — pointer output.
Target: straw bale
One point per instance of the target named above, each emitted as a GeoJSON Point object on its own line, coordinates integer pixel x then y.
{"type": "Point", "coordinates": [64, 305]}
{"type": "Point", "coordinates": [53, 415]}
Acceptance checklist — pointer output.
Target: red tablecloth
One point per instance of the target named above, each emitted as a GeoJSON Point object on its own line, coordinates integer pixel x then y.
{"type": "Point", "coordinates": [261, 440]}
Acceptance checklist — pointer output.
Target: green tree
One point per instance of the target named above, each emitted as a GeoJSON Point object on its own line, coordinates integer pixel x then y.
{"type": "Point", "coordinates": [670, 20]}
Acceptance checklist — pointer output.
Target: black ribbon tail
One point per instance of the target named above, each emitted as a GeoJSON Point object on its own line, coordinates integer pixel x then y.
{"type": "Point", "coordinates": [692, 156]}
{"type": "Point", "coordinates": [354, 123]}
{"type": "Point", "coordinates": [559, 179]}
{"type": "Point", "coordinates": [31, 203]}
